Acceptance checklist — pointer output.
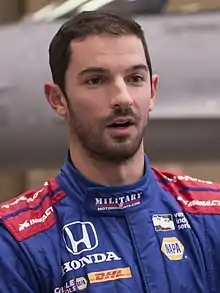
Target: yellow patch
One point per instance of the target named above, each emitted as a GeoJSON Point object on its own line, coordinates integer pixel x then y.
{"type": "Point", "coordinates": [109, 275]}
{"type": "Point", "coordinates": [172, 248]}
{"type": "Point", "coordinates": [81, 283]}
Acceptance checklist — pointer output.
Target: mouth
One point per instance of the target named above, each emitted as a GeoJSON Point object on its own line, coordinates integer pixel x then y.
{"type": "Point", "coordinates": [122, 123]}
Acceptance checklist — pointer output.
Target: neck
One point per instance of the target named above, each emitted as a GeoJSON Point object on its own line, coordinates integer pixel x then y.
{"type": "Point", "coordinates": [109, 173]}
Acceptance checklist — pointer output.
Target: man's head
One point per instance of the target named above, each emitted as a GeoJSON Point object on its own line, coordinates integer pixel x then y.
{"type": "Point", "coordinates": [103, 83]}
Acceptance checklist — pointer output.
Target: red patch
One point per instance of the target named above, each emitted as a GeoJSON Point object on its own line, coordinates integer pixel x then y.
{"type": "Point", "coordinates": [194, 195]}
{"type": "Point", "coordinates": [27, 223]}
{"type": "Point", "coordinates": [30, 198]}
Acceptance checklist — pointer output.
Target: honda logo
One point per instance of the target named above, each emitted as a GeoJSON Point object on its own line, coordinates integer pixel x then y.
{"type": "Point", "coordinates": [80, 236]}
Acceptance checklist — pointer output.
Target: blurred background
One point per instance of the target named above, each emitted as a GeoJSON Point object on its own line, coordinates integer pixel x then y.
{"type": "Point", "coordinates": [184, 130]}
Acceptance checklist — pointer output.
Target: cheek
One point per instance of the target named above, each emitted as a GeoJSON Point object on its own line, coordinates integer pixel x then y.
{"type": "Point", "coordinates": [91, 103]}
{"type": "Point", "coordinates": [143, 108]}
{"type": "Point", "coordinates": [142, 100]}
{"type": "Point", "coordinates": [85, 112]}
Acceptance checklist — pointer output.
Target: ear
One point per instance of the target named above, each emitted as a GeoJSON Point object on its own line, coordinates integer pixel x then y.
{"type": "Point", "coordinates": [56, 99]}
{"type": "Point", "coordinates": [154, 87]}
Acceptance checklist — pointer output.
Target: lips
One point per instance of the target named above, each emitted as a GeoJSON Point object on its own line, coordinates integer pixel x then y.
{"type": "Point", "coordinates": [122, 122]}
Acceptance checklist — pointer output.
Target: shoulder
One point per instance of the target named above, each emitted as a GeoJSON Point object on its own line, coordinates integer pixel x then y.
{"type": "Point", "coordinates": [31, 212]}
{"type": "Point", "coordinates": [193, 195]}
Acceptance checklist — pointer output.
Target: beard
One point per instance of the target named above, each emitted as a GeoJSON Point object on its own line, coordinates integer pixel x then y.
{"type": "Point", "coordinates": [102, 147]}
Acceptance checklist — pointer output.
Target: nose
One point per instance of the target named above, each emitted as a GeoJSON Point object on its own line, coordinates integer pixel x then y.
{"type": "Point", "coordinates": [120, 96]}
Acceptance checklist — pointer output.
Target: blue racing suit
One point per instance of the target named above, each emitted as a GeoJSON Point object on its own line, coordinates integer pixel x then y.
{"type": "Point", "coordinates": [159, 235]}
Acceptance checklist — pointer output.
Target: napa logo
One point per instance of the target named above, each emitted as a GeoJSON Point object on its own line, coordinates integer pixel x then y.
{"type": "Point", "coordinates": [81, 283]}
{"type": "Point", "coordinates": [172, 248]}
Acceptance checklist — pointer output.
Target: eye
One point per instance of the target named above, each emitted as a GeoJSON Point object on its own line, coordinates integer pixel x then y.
{"type": "Point", "coordinates": [95, 80]}
{"type": "Point", "coordinates": [136, 79]}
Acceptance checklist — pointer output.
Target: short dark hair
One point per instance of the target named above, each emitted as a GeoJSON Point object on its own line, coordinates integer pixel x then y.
{"type": "Point", "coordinates": [86, 24]}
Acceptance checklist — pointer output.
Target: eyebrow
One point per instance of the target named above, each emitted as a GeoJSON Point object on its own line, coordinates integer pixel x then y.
{"type": "Point", "coordinates": [105, 70]}
{"type": "Point", "coordinates": [138, 67]}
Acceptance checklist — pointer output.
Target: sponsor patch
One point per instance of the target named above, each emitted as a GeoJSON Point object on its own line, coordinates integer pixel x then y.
{"type": "Point", "coordinates": [188, 178]}
{"type": "Point", "coordinates": [72, 286]}
{"type": "Point", "coordinates": [81, 283]}
{"type": "Point", "coordinates": [87, 260]}
{"type": "Point", "coordinates": [24, 198]}
{"type": "Point", "coordinates": [163, 222]}
{"type": "Point", "coordinates": [169, 222]}
{"type": "Point", "coordinates": [208, 202]}
{"type": "Point", "coordinates": [195, 196]}
{"type": "Point", "coordinates": [109, 275]}
{"type": "Point", "coordinates": [68, 287]}
{"type": "Point", "coordinates": [181, 221]}
{"type": "Point", "coordinates": [34, 221]}
{"type": "Point", "coordinates": [203, 203]}
{"type": "Point", "coordinates": [30, 198]}
{"type": "Point", "coordinates": [79, 237]}
{"type": "Point", "coordinates": [118, 202]}
{"type": "Point", "coordinates": [30, 222]}
{"type": "Point", "coordinates": [172, 248]}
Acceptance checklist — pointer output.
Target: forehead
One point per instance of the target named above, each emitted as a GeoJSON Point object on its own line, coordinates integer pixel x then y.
{"type": "Point", "coordinates": [107, 51]}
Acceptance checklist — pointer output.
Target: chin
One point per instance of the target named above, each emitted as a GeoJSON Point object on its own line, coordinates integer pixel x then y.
{"type": "Point", "coordinates": [121, 151]}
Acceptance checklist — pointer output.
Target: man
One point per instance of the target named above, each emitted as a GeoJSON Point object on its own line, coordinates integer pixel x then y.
{"type": "Point", "coordinates": [109, 222]}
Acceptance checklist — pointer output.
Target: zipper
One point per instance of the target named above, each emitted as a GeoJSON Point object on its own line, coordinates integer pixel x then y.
{"type": "Point", "coordinates": [140, 266]}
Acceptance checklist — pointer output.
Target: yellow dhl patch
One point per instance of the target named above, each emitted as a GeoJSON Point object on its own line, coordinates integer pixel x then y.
{"type": "Point", "coordinates": [109, 275]}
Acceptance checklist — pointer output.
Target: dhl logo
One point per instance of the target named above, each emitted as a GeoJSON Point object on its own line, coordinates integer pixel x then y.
{"type": "Point", "coordinates": [109, 275]}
